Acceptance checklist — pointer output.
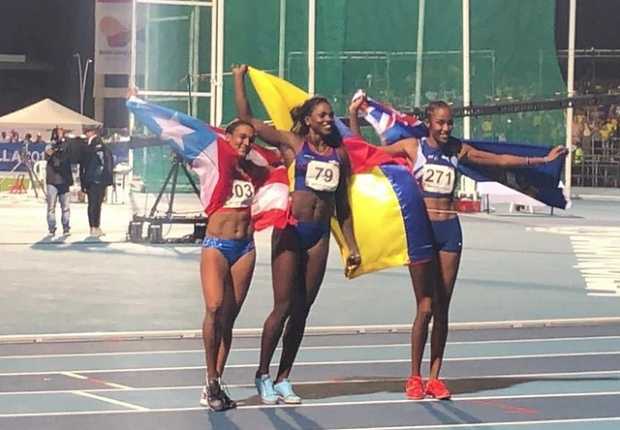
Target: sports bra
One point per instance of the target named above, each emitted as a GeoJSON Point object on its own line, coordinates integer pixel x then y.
{"type": "Point", "coordinates": [313, 171]}
{"type": "Point", "coordinates": [435, 170]}
{"type": "Point", "coordinates": [241, 193]}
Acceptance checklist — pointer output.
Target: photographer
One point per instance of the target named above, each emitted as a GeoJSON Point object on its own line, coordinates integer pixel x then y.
{"type": "Point", "coordinates": [59, 178]}
{"type": "Point", "coordinates": [95, 176]}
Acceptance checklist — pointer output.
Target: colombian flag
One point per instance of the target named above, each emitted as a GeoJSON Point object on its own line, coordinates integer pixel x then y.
{"type": "Point", "coordinates": [389, 218]}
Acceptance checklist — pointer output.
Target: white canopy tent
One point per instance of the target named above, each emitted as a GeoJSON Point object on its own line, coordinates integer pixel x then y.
{"type": "Point", "coordinates": [42, 117]}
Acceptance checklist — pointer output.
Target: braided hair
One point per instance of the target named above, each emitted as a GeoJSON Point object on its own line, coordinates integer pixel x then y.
{"type": "Point", "coordinates": [301, 112]}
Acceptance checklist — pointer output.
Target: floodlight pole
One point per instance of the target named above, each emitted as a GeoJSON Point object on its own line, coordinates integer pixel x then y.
{"type": "Point", "coordinates": [82, 75]}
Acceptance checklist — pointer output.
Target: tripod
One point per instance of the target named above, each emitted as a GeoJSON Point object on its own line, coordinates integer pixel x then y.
{"type": "Point", "coordinates": [177, 162]}
{"type": "Point", "coordinates": [24, 159]}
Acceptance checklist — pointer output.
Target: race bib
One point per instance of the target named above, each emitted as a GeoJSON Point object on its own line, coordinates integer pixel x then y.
{"type": "Point", "coordinates": [438, 179]}
{"type": "Point", "coordinates": [241, 195]}
{"type": "Point", "coordinates": [322, 176]}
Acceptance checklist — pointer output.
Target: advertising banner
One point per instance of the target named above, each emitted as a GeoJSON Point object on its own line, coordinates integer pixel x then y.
{"type": "Point", "coordinates": [112, 36]}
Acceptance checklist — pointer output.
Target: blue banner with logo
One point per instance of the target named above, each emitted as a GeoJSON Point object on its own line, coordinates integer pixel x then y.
{"type": "Point", "coordinates": [11, 155]}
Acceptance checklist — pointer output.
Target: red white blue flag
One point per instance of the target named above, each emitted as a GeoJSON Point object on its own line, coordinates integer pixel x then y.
{"type": "Point", "coordinates": [205, 149]}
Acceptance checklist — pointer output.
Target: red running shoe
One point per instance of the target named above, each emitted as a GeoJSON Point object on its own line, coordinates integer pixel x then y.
{"type": "Point", "coordinates": [414, 388]}
{"type": "Point", "coordinates": [437, 389]}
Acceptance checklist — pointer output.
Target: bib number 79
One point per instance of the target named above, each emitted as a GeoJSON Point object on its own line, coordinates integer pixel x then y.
{"type": "Point", "coordinates": [322, 176]}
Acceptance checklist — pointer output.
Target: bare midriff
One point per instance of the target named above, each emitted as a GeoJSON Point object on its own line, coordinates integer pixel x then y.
{"type": "Point", "coordinates": [313, 206]}
{"type": "Point", "coordinates": [440, 208]}
{"type": "Point", "coordinates": [230, 224]}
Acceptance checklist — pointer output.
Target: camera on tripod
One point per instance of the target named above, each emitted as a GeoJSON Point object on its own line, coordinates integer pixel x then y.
{"type": "Point", "coordinates": [57, 146]}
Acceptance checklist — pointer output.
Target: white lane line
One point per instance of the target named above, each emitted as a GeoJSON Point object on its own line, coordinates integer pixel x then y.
{"type": "Point", "coordinates": [112, 401]}
{"type": "Point", "coordinates": [119, 386]}
{"type": "Point", "coordinates": [312, 348]}
{"type": "Point", "coordinates": [495, 424]}
{"type": "Point", "coordinates": [326, 404]}
{"type": "Point", "coordinates": [321, 382]}
{"type": "Point", "coordinates": [73, 375]}
{"type": "Point", "coordinates": [312, 330]}
{"type": "Point", "coordinates": [98, 381]}
{"type": "Point", "coordinates": [317, 363]}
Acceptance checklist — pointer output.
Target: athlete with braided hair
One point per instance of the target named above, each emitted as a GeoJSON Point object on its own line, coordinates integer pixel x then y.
{"type": "Point", "coordinates": [319, 170]}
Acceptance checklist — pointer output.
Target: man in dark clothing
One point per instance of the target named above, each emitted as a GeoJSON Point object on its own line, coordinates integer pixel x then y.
{"type": "Point", "coordinates": [95, 176]}
{"type": "Point", "coordinates": [58, 178]}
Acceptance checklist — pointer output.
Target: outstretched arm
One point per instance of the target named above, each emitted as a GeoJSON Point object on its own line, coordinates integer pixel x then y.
{"type": "Point", "coordinates": [267, 133]}
{"type": "Point", "coordinates": [405, 147]}
{"type": "Point", "coordinates": [354, 108]}
{"type": "Point", "coordinates": [483, 158]}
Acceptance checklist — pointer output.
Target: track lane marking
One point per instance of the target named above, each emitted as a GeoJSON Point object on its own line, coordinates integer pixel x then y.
{"type": "Point", "coordinates": [322, 404]}
{"type": "Point", "coordinates": [109, 400]}
{"type": "Point", "coordinates": [312, 348]}
{"type": "Point", "coordinates": [315, 363]}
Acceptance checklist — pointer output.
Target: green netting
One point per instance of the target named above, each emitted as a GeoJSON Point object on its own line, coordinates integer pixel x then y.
{"type": "Point", "coordinates": [370, 45]}
{"type": "Point", "coordinates": [525, 68]}
{"type": "Point", "coordinates": [175, 52]}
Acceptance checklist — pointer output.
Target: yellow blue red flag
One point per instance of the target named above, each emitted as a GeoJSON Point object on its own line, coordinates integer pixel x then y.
{"type": "Point", "coordinates": [389, 219]}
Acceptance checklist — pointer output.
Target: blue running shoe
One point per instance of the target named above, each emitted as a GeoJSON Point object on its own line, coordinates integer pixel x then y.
{"type": "Point", "coordinates": [264, 386]}
{"type": "Point", "coordinates": [284, 389]}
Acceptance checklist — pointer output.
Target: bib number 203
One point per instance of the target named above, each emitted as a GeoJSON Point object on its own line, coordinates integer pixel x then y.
{"type": "Point", "coordinates": [241, 194]}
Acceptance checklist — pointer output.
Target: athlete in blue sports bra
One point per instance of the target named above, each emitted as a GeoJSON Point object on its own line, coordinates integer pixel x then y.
{"type": "Point", "coordinates": [226, 266]}
{"type": "Point", "coordinates": [318, 171]}
{"type": "Point", "coordinates": [434, 161]}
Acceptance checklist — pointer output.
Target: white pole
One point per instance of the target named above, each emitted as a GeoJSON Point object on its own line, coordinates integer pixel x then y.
{"type": "Point", "coordinates": [212, 87]}
{"type": "Point", "coordinates": [282, 41]}
{"type": "Point", "coordinates": [220, 62]}
{"type": "Point", "coordinates": [83, 83]}
{"type": "Point", "coordinates": [132, 84]}
{"type": "Point", "coordinates": [466, 94]}
{"type": "Point", "coordinates": [468, 186]}
{"type": "Point", "coordinates": [419, 51]}
{"type": "Point", "coordinates": [571, 92]}
{"type": "Point", "coordinates": [311, 45]}
{"type": "Point", "coordinates": [132, 58]}
{"type": "Point", "coordinates": [81, 78]}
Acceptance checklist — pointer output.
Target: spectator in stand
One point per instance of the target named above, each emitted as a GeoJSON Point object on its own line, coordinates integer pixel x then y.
{"type": "Point", "coordinates": [578, 155]}
{"type": "Point", "coordinates": [14, 138]}
{"type": "Point", "coordinates": [39, 138]}
{"type": "Point", "coordinates": [577, 130]}
{"type": "Point", "coordinates": [95, 176]}
{"type": "Point", "coordinates": [59, 178]}
{"type": "Point", "coordinates": [3, 137]}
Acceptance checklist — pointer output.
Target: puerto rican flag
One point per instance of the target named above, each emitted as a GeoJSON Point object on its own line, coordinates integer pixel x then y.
{"type": "Point", "coordinates": [390, 124]}
{"type": "Point", "coordinates": [205, 149]}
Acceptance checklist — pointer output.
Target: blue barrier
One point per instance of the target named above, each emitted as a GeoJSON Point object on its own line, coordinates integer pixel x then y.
{"type": "Point", "coordinates": [11, 153]}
